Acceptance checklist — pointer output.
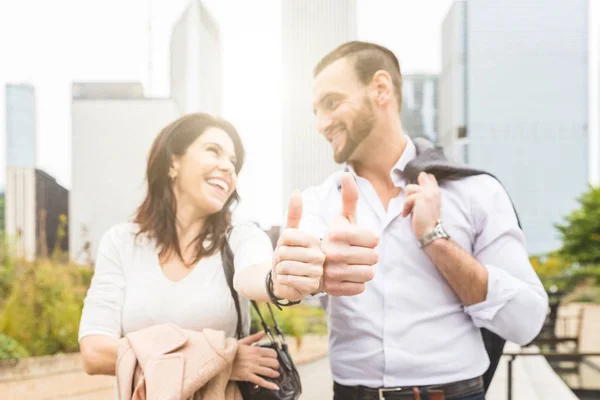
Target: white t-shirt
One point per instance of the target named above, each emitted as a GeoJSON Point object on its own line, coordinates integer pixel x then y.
{"type": "Point", "coordinates": [129, 291]}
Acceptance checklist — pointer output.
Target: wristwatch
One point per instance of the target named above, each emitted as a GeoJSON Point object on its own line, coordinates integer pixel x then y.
{"type": "Point", "coordinates": [437, 233]}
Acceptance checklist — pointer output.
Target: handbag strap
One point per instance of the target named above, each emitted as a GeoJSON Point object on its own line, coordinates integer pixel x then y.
{"type": "Point", "coordinates": [265, 326]}
{"type": "Point", "coordinates": [228, 269]}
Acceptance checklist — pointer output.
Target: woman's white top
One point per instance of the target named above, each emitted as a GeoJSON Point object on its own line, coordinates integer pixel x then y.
{"type": "Point", "coordinates": [129, 291]}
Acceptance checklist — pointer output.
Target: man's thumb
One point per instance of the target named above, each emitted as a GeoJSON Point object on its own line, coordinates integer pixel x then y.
{"type": "Point", "coordinates": [349, 197]}
{"type": "Point", "coordinates": [294, 214]}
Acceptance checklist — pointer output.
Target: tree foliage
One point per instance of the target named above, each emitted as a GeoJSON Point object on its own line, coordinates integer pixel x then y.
{"type": "Point", "coordinates": [580, 231]}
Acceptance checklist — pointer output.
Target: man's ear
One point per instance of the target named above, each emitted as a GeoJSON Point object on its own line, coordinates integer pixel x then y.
{"type": "Point", "coordinates": [382, 87]}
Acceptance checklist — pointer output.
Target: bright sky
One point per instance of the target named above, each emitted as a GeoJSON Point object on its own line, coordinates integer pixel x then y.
{"type": "Point", "coordinates": [53, 43]}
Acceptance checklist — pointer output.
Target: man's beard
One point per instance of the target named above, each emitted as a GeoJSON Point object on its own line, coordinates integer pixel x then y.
{"type": "Point", "coordinates": [362, 125]}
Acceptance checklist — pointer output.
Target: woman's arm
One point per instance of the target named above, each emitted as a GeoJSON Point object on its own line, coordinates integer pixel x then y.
{"type": "Point", "coordinates": [250, 281]}
{"type": "Point", "coordinates": [100, 326]}
{"type": "Point", "coordinates": [99, 354]}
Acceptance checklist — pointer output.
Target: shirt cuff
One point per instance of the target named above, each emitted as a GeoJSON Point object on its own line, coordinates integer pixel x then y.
{"type": "Point", "coordinates": [500, 289]}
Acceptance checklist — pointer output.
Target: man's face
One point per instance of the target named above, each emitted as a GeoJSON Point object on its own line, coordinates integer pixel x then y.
{"type": "Point", "coordinates": [344, 111]}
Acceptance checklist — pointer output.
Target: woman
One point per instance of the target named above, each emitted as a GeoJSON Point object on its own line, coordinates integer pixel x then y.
{"type": "Point", "coordinates": [166, 265]}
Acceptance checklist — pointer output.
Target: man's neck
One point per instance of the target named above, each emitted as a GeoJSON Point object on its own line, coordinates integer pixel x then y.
{"type": "Point", "coordinates": [380, 152]}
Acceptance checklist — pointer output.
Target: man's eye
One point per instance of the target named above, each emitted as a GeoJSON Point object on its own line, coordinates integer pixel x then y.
{"type": "Point", "coordinates": [330, 104]}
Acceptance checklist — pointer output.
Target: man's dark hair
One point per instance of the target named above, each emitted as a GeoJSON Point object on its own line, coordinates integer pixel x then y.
{"type": "Point", "coordinates": [367, 59]}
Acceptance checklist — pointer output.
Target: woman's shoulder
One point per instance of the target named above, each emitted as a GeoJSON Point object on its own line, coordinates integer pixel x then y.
{"type": "Point", "coordinates": [125, 235]}
{"type": "Point", "coordinates": [248, 233]}
{"type": "Point", "coordinates": [241, 229]}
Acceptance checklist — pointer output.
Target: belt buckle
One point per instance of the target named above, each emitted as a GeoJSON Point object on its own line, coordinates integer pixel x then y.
{"type": "Point", "coordinates": [381, 392]}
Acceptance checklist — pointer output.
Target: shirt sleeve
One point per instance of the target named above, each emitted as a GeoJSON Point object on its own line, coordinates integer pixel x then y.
{"type": "Point", "coordinates": [516, 303]}
{"type": "Point", "coordinates": [103, 303]}
{"type": "Point", "coordinates": [250, 245]}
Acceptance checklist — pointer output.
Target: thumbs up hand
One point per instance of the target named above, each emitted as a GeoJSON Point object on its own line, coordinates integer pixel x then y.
{"type": "Point", "coordinates": [349, 250]}
{"type": "Point", "coordinates": [298, 259]}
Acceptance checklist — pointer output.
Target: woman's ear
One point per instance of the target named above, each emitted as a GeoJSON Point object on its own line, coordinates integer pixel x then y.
{"type": "Point", "coordinates": [174, 168]}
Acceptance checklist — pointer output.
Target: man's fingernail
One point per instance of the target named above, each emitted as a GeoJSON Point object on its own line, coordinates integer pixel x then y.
{"type": "Point", "coordinates": [275, 387]}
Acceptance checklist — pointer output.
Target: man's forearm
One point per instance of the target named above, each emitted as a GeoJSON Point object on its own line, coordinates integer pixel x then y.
{"type": "Point", "coordinates": [465, 275]}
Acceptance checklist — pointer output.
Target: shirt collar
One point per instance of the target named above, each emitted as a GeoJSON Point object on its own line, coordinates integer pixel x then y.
{"type": "Point", "coordinates": [396, 174]}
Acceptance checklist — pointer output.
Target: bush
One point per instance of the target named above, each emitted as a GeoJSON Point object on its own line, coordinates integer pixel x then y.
{"type": "Point", "coordinates": [7, 270]}
{"type": "Point", "coordinates": [10, 349]}
{"type": "Point", "coordinates": [295, 321]}
{"type": "Point", "coordinates": [44, 308]}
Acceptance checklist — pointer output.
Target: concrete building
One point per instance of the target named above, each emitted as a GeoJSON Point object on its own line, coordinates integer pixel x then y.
{"type": "Point", "coordinates": [419, 105]}
{"type": "Point", "coordinates": [514, 101]}
{"type": "Point", "coordinates": [196, 61]}
{"type": "Point", "coordinates": [20, 126]}
{"type": "Point", "coordinates": [36, 207]}
{"type": "Point", "coordinates": [111, 138]}
{"type": "Point", "coordinates": [310, 29]}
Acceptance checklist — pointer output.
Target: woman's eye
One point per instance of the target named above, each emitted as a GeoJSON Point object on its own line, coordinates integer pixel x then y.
{"type": "Point", "coordinates": [213, 150]}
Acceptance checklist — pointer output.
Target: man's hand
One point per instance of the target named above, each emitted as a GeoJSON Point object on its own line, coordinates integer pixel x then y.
{"type": "Point", "coordinates": [349, 250]}
{"type": "Point", "coordinates": [423, 201]}
{"type": "Point", "coordinates": [298, 259]}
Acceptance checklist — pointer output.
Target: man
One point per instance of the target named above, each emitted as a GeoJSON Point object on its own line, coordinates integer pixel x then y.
{"type": "Point", "coordinates": [452, 258]}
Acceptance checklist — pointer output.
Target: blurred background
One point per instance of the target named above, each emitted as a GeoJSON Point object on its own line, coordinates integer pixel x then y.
{"type": "Point", "coordinates": [510, 86]}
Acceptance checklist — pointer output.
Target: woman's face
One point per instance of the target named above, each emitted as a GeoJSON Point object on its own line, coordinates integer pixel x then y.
{"type": "Point", "coordinates": [205, 175]}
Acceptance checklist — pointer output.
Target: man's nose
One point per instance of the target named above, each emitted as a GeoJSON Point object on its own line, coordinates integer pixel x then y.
{"type": "Point", "coordinates": [323, 122]}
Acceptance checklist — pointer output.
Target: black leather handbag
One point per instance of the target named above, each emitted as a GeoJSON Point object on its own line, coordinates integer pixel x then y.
{"type": "Point", "coordinates": [288, 381]}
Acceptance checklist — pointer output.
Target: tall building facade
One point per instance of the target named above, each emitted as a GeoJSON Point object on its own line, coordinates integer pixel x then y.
{"type": "Point", "coordinates": [419, 105]}
{"type": "Point", "coordinates": [310, 29]}
{"type": "Point", "coordinates": [111, 138]}
{"type": "Point", "coordinates": [514, 101]}
{"type": "Point", "coordinates": [36, 208]}
{"type": "Point", "coordinates": [20, 126]}
{"type": "Point", "coordinates": [196, 61]}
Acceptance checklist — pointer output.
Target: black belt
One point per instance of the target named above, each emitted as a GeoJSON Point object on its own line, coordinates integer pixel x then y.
{"type": "Point", "coordinates": [451, 390]}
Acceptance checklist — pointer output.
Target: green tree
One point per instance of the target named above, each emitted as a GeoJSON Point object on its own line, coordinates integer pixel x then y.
{"type": "Point", "coordinates": [580, 231]}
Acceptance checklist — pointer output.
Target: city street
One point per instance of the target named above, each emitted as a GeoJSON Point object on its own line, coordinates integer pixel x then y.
{"type": "Point", "coordinates": [316, 380]}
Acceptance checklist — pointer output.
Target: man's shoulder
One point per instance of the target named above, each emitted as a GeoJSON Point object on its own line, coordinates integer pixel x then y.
{"type": "Point", "coordinates": [480, 185]}
{"type": "Point", "coordinates": [484, 195]}
{"type": "Point", "coordinates": [327, 188]}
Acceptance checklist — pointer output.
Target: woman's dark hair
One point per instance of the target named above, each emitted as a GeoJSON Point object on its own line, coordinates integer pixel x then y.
{"type": "Point", "coordinates": [156, 216]}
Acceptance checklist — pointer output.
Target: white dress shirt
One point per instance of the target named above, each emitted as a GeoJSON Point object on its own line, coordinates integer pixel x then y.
{"type": "Point", "coordinates": [408, 327]}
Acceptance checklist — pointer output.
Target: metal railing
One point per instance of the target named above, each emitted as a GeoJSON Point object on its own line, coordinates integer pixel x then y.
{"type": "Point", "coordinates": [554, 356]}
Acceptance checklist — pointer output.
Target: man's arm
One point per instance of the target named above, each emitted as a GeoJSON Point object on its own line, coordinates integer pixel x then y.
{"type": "Point", "coordinates": [465, 275]}
{"type": "Point", "coordinates": [497, 284]}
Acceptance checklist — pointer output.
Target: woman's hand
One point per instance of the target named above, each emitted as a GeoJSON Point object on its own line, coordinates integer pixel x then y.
{"type": "Point", "coordinates": [252, 363]}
